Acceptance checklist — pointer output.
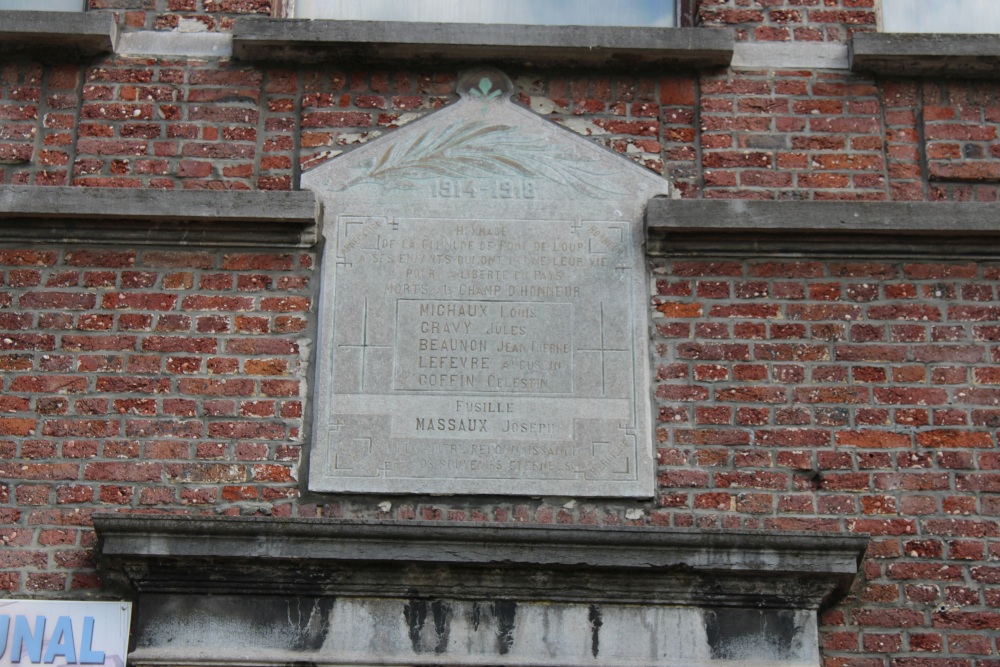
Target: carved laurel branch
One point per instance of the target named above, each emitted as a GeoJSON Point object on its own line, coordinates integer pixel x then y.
{"type": "Point", "coordinates": [473, 149]}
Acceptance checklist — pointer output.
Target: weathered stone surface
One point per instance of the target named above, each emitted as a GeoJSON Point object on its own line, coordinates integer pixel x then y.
{"type": "Point", "coordinates": [902, 54]}
{"type": "Point", "coordinates": [963, 228]}
{"type": "Point", "coordinates": [108, 215]}
{"type": "Point", "coordinates": [163, 43]}
{"type": "Point", "coordinates": [57, 35]}
{"type": "Point", "coordinates": [70, 202]}
{"type": "Point", "coordinates": [483, 326]}
{"type": "Point", "coordinates": [783, 217]}
{"type": "Point", "coordinates": [272, 591]}
{"type": "Point", "coordinates": [527, 45]}
{"type": "Point", "coordinates": [407, 631]}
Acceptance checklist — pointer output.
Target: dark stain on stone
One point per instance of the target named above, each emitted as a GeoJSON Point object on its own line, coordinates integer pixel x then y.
{"type": "Point", "coordinates": [441, 613]}
{"type": "Point", "coordinates": [477, 614]}
{"type": "Point", "coordinates": [731, 633]}
{"type": "Point", "coordinates": [596, 621]}
{"type": "Point", "coordinates": [313, 622]}
{"type": "Point", "coordinates": [415, 612]}
{"type": "Point", "coordinates": [504, 611]}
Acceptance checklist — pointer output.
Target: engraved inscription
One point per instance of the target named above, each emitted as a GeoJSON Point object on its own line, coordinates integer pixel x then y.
{"type": "Point", "coordinates": [496, 336]}
{"type": "Point", "coordinates": [498, 460]}
{"type": "Point", "coordinates": [484, 346]}
{"type": "Point", "coordinates": [481, 418]}
{"type": "Point", "coordinates": [494, 189]}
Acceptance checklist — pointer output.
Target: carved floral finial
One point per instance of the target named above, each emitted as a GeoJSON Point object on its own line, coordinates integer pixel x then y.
{"type": "Point", "coordinates": [485, 84]}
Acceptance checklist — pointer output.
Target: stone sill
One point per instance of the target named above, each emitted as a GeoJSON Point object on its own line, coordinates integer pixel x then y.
{"type": "Point", "coordinates": [309, 41]}
{"type": "Point", "coordinates": [235, 555]}
{"type": "Point", "coordinates": [146, 217]}
{"type": "Point", "coordinates": [943, 55]}
{"type": "Point", "coordinates": [57, 35]}
{"type": "Point", "coordinates": [872, 228]}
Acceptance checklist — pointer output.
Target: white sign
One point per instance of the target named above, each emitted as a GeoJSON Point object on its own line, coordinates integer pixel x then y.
{"type": "Point", "coordinates": [58, 632]}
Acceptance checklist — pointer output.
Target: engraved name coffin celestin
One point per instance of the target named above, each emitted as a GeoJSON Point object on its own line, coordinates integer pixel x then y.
{"type": "Point", "coordinates": [483, 319]}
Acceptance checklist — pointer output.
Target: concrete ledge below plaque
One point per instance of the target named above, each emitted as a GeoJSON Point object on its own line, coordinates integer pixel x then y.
{"type": "Point", "coordinates": [145, 217]}
{"type": "Point", "coordinates": [303, 41]}
{"type": "Point", "coordinates": [944, 55]}
{"type": "Point", "coordinates": [875, 228]}
{"type": "Point", "coordinates": [57, 36]}
{"type": "Point", "coordinates": [270, 591]}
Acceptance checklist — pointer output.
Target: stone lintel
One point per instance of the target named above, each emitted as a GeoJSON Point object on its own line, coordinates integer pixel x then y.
{"type": "Point", "coordinates": [305, 40]}
{"type": "Point", "coordinates": [818, 227]}
{"type": "Point", "coordinates": [146, 217]}
{"type": "Point", "coordinates": [777, 55]}
{"type": "Point", "coordinates": [57, 36]}
{"type": "Point", "coordinates": [171, 43]}
{"type": "Point", "coordinates": [266, 556]}
{"type": "Point", "coordinates": [945, 55]}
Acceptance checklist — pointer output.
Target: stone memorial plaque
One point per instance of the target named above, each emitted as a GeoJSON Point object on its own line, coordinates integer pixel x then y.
{"type": "Point", "coordinates": [484, 309]}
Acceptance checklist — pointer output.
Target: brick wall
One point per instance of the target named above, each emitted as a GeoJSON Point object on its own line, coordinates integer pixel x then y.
{"type": "Point", "coordinates": [150, 380]}
{"type": "Point", "coordinates": [841, 395]}
{"type": "Point", "coordinates": [790, 20]}
{"type": "Point", "coordinates": [844, 396]}
{"type": "Point", "coordinates": [792, 135]}
{"type": "Point", "coordinates": [748, 134]}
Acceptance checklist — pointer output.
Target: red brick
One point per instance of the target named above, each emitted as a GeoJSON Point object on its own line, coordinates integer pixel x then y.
{"type": "Point", "coordinates": [179, 344]}
{"type": "Point", "coordinates": [249, 430]}
{"type": "Point", "coordinates": [80, 428]}
{"type": "Point", "coordinates": [123, 472]}
{"type": "Point", "coordinates": [226, 303]}
{"type": "Point", "coordinates": [948, 438]}
{"type": "Point", "coordinates": [57, 301]}
{"type": "Point", "coordinates": [49, 384]}
{"type": "Point", "coordinates": [21, 257]}
{"type": "Point", "coordinates": [99, 343]}
{"type": "Point", "coordinates": [178, 259]}
{"type": "Point", "coordinates": [674, 309]}
{"type": "Point", "coordinates": [262, 262]}
{"type": "Point", "coordinates": [873, 439]}
{"type": "Point", "coordinates": [139, 301]}
{"type": "Point", "coordinates": [888, 618]}
{"type": "Point", "coordinates": [907, 396]}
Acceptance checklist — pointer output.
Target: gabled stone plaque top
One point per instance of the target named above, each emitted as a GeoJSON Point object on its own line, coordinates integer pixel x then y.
{"type": "Point", "coordinates": [483, 324]}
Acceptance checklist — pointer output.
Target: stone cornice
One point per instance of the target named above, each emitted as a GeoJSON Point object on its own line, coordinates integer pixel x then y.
{"type": "Point", "coordinates": [252, 555]}
{"type": "Point", "coordinates": [146, 217]}
{"type": "Point", "coordinates": [940, 228]}
{"type": "Point", "coordinates": [57, 36]}
{"type": "Point", "coordinates": [302, 41]}
{"type": "Point", "coordinates": [938, 55]}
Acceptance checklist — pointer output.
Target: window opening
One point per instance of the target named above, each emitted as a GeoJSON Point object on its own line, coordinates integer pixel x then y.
{"type": "Point", "coordinates": [941, 16]}
{"type": "Point", "coordinates": [44, 5]}
{"type": "Point", "coordinates": [630, 13]}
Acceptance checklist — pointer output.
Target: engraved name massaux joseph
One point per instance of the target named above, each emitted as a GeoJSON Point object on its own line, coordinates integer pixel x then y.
{"type": "Point", "coordinates": [473, 149]}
